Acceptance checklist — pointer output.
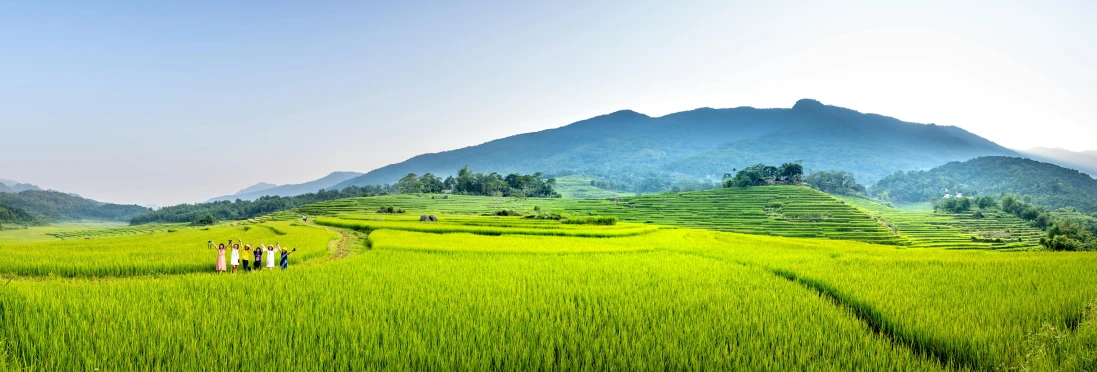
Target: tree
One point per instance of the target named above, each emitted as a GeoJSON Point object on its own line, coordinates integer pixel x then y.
{"type": "Point", "coordinates": [450, 183]}
{"type": "Point", "coordinates": [791, 170]}
{"type": "Point", "coordinates": [431, 184]}
{"type": "Point", "coordinates": [206, 221]}
{"type": "Point", "coordinates": [410, 184]}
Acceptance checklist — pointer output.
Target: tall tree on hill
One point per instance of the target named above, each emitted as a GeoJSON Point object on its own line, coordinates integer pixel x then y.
{"type": "Point", "coordinates": [432, 184]}
{"type": "Point", "coordinates": [791, 170]}
{"type": "Point", "coordinates": [410, 184]}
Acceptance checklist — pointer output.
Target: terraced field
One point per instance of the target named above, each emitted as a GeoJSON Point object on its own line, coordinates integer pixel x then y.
{"type": "Point", "coordinates": [789, 211]}
{"type": "Point", "coordinates": [579, 187]}
{"type": "Point", "coordinates": [119, 231]}
{"type": "Point", "coordinates": [945, 230]}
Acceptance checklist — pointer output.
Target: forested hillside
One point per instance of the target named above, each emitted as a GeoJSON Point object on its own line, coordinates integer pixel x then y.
{"type": "Point", "coordinates": [1046, 184]}
{"type": "Point", "coordinates": [12, 215]}
{"type": "Point", "coordinates": [58, 206]}
{"type": "Point", "coordinates": [706, 143]}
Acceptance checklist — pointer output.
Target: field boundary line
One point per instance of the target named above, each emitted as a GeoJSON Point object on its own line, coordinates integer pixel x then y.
{"type": "Point", "coordinates": [867, 314]}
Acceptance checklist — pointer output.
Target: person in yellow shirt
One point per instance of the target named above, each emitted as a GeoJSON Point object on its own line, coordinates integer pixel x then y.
{"type": "Point", "coordinates": [244, 257]}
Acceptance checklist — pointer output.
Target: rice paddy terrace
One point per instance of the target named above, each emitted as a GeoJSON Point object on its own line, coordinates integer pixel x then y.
{"type": "Point", "coordinates": [995, 230]}
{"type": "Point", "coordinates": [480, 292]}
{"type": "Point", "coordinates": [789, 211]}
{"type": "Point", "coordinates": [782, 211]}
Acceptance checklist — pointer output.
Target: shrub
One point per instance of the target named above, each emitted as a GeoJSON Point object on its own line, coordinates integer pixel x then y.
{"type": "Point", "coordinates": [591, 220]}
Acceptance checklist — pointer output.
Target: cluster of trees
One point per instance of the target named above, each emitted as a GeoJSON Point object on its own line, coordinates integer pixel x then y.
{"type": "Point", "coordinates": [761, 174]}
{"type": "Point", "coordinates": [1066, 235]}
{"type": "Point", "coordinates": [1023, 208]}
{"type": "Point", "coordinates": [958, 205]}
{"type": "Point", "coordinates": [1063, 234]}
{"type": "Point", "coordinates": [207, 213]}
{"type": "Point", "coordinates": [836, 182]}
{"type": "Point", "coordinates": [469, 183]}
{"type": "Point", "coordinates": [48, 205]}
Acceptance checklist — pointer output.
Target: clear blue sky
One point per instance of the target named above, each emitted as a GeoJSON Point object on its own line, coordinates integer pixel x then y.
{"type": "Point", "coordinates": [169, 102]}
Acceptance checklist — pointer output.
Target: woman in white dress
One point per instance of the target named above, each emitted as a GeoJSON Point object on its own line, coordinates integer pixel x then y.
{"type": "Point", "coordinates": [235, 258]}
{"type": "Point", "coordinates": [270, 256]}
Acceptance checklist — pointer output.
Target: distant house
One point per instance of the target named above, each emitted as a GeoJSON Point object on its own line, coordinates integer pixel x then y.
{"type": "Point", "coordinates": [959, 195]}
{"type": "Point", "coordinates": [948, 196]}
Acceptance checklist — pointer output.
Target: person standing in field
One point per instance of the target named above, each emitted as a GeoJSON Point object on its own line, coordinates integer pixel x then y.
{"type": "Point", "coordinates": [244, 257]}
{"type": "Point", "coordinates": [258, 257]}
{"type": "Point", "coordinates": [221, 258]}
{"type": "Point", "coordinates": [270, 257]}
{"type": "Point", "coordinates": [285, 255]}
{"type": "Point", "coordinates": [234, 258]}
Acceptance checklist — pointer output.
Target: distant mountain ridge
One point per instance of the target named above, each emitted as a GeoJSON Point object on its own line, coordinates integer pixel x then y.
{"type": "Point", "coordinates": [13, 186]}
{"type": "Point", "coordinates": [706, 142]}
{"type": "Point", "coordinates": [259, 190]}
{"type": "Point", "coordinates": [1085, 161]}
{"type": "Point", "coordinates": [1047, 184]}
{"type": "Point", "coordinates": [256, 187]}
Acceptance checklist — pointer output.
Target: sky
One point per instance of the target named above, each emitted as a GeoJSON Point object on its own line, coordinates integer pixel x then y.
{"type": "Point", "coordinates": [156, 102]}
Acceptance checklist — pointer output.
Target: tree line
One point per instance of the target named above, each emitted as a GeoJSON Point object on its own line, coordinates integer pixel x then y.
{"type": "Point", "coordinates": [208, 213]}
{"type": "Point", "coordinates": [761, 174]}
{"type": "Point", "coordinates": [468, 183]}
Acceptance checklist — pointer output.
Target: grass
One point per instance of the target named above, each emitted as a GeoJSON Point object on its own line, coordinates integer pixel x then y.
{"type": "Point", "coordinates": [158, 253]}
{"type": "Point", "coordinates": [47, 233]}
{"type": "Point", "coordinates": [475, 292]}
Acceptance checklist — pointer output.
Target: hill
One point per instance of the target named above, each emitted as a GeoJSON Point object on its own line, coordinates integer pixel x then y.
{"type": "Point", "coordinates": [12, 215]}
{"type": "Point", "coordinates": [1047, 184]}
{"type": "Point", "coordinates": [706, 142]}
{"type": "Point", "coordinates": [59, 206]}
{"type": "Point", "coordinates": [258, 190]}
{"type": "Point", "coordinates": [1085, 161]}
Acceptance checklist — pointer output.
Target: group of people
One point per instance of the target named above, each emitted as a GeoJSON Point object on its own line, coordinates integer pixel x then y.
{"type": "Point", "coordinates": [239, 257]}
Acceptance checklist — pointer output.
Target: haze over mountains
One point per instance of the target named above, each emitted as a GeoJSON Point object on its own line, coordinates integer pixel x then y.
{"type": "Point", "coordinates": [13, 186]}
{"type": "Point", "coordinates": [264, 189]}
{"type": "Point", "coordinates": [1085, 161]}
{"type": "Point", "coordinates": [706, 142]}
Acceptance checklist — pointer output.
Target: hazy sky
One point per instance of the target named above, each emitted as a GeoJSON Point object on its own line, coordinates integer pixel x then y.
{"type": "Point", "coordinates": [169, 102]}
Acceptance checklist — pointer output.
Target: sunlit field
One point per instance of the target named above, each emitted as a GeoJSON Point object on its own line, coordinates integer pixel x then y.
{"type": "Point", "coordinates": [386, 291]}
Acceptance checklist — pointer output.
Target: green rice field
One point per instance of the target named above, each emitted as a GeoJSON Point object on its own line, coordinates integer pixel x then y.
{"type": "Point", "coordinates": [689, 281]}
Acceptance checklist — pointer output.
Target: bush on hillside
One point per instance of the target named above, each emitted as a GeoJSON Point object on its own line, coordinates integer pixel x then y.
{"type": "Point", "coordinates": [591, 220]}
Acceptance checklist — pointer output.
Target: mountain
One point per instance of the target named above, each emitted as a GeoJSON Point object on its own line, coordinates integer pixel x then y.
{"type": "Point", "coordinates": [706, 142]}
{"type": "Point", "coordinates": [12, 186]}
{"type": "Point", "coordinates": [291, 190]}
{"type": "Point", "coordinates": [1046, 184]}
{"type": "Point", "coordinates": [256, 188]}
{"type": "Point", "coordinates": [1085, 161]}
{"type": "Point", "coordinates": [56, 206]}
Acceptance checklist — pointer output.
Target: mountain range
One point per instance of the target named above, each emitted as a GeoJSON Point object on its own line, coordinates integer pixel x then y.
{"type": "Point", "coordinates": [12, 186]}
{"type": "Point", "coordinates": [264, 189]}
{"type": "Point", "coordinates": [705, 143]}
